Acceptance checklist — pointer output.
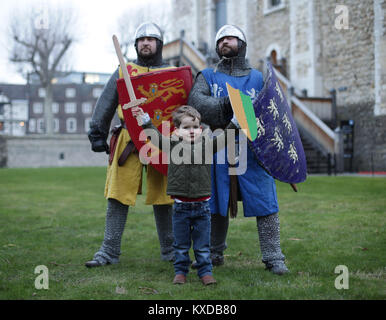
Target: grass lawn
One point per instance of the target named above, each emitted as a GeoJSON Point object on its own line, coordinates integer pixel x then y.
{"type": "Point", "coordinates": [55, 217]}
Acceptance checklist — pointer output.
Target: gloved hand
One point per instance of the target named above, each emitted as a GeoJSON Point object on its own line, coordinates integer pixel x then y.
{"type": "Point", "coordinates": [100, 145]}
{"type": "Point", "coordinates": [142, 117]}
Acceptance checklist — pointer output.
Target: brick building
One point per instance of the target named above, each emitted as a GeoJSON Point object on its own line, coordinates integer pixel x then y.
{"type": "Point", "coordinates": [74, 98]}
{"type": "Point", "coordinates": [26, 145]}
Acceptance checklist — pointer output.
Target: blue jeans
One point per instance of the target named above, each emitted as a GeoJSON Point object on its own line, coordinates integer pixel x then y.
{"type": "Point", "coordinates": [191, 222]}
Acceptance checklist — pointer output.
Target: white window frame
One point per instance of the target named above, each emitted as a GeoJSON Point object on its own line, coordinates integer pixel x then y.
{"type": "Point", "coordinates": [96, 92]}
{"type": "Point", "coordinates": [269, 8]}
{"type": "Point", "coordinates": [20, 109]}
{"type": "Point", "coordinates": [55, 107]}
{"type": "Point", "coordinates": [41, 92]}
{"type": "Point", "coordinates": [87, 124]}
{"type": "Point", "coordinates": [32, 125]}
{"type": "Point", "coordinates": [70, 107]}
{"type": "Point", "coordinates": [40, 125]}
{"type": "Point", "coordinates": [68, 125]}
{"type": "Point", "coordinates": [87, 107]}
{"type": "Point", "coordinates": [56, 125]}
{"type": "Point", "coordinates": [37, 107]}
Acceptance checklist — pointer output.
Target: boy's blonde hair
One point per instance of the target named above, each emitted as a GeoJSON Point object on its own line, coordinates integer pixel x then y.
{"type": "Point", "coordinates": [184, 111]}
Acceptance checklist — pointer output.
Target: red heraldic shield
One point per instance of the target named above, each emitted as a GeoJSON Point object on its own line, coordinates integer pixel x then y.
{"type": "Point", "coordinates": [165, 90]}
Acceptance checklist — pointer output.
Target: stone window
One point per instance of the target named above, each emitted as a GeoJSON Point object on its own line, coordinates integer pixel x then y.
{"type": "Point", "coordinates": [273, 5]}
{"type": "Point", "coordinates": [273, 53]}
{"type": "Point", "coordinates": [221, 13]}
{"type": "Point", "coordinates": [273, 57]}
{"type": "Point", "coordinates": [71, 125]}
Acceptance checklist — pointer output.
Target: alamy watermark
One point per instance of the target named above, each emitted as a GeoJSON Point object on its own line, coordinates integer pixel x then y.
{"type": "Point", "coordinates": [341, 281]}
{"type": "Point", "coordinates": [41, 21]}
{"type": "Point", "coordinates": [342, 20]}
{"type": "Point", "coordinates": [235, 154]}
{"type": "Point", "coordinates": [41, 281]}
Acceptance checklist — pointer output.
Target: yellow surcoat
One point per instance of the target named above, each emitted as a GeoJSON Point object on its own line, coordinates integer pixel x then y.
{"type": "Point", "coordinates": [123, 182]}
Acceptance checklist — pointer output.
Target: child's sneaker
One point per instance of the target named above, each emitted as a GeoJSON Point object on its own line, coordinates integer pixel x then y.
{"type": "Point", "coordinates": [207, 280]}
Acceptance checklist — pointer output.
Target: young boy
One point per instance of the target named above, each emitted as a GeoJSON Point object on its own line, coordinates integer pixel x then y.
{"type": "Point", "coordinates": [189, 183]}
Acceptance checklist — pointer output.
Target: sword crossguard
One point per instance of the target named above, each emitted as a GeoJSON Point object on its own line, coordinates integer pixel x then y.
{"type": "Point", "coordinates": [134, 103]}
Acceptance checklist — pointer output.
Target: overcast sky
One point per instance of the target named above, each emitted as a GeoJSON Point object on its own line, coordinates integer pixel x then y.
{"type": "Point", "coordinates": [95, 51]}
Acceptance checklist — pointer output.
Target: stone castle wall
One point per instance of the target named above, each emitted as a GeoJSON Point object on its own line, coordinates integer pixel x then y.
{"type": "Point", "coordinates": [276, 25]}
{"type": "Point", "coordinates": [55, 151]}
{"type": "Point", "coordinates": [348, 54]}
{"type": "Point", "coordinates": [305, 34]}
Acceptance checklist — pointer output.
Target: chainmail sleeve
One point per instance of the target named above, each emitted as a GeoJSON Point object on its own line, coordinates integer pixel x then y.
{"type": "Point", "coordinates": [215, 112]}
{"type": "Point", "coordinates": [104, 111]}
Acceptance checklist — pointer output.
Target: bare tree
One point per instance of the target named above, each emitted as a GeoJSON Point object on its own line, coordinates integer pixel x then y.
{"type": "Point", "coordinates": [40, 38]}
{"type": "Point", "coordinates": [157, 12]}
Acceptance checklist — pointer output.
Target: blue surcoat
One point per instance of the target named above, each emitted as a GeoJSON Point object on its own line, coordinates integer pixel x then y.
{"type": "Point", "coordinates": [257, 187]}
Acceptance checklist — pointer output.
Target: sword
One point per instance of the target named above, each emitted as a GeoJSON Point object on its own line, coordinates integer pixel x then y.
{"type": "Point", "coordinates": [133, 99]}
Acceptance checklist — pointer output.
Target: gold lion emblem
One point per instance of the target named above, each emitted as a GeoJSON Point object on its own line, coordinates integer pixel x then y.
{"type": "Point", "coordinates": [165, 90]}
{"type": "Point", "coordinates": [157, 117]}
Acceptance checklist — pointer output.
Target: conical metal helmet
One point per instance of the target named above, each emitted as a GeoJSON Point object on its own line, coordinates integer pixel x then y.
{"type": "Point", "coordinates": [229, 30]}
{"type": "Point", "coordinates": [148, 29]}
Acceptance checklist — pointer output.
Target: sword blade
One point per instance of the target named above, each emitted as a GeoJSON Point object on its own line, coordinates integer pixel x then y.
{"type": "Point", "coordinates": [125, 73]}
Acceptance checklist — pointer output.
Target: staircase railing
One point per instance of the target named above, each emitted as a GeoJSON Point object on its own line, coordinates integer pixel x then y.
{"type": "Point", "coordinates": [326, 140]}
{"type": "Point", "coordinates": [180, 52]}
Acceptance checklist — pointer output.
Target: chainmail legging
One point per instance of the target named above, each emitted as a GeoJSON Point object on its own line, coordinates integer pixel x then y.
{"type": "Point", "coordinates": [269, 236]}
{"type": "Point", "coordinates": [163, 222]}
{"type": "Point", "coordinates": [116, 216]}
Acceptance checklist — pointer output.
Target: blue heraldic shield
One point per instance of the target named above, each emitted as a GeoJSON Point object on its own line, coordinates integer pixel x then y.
{"type": "Point", "coordinates": [277, 147]}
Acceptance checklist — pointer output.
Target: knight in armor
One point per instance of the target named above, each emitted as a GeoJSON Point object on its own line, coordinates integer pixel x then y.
{"type": "Point", "coordinates": [255, 188]}
{"type": "Point", "coordinates": [124, 172]}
